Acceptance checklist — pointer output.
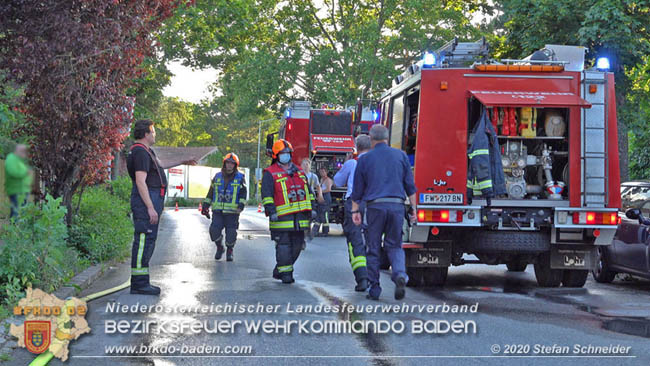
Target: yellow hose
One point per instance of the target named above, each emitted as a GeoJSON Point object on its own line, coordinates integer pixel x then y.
{"type": "Point", "coordinates": [44, 358]}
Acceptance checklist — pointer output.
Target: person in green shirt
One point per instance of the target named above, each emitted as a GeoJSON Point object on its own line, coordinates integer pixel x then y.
{"type": "Point", "coordinates": [18, 178]}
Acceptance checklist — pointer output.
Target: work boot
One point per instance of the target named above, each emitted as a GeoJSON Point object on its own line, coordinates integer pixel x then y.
{"type": "Point", "coordinates": [400, 291]}
{"type": "Point", "coordinates": [373, 293]}
{"type": "Point", "coordinates": [276, 274]}
{"type": "Point", "coordinates": [229, 254]}
{"type": "Point", "coordinates": [287, 278]}
{"type": "Point", "coordinates": [146, 290]}
{"type": "Point", "coordinates": [361, 286]}
{"type": "Point", "coordinates": [219, 252]}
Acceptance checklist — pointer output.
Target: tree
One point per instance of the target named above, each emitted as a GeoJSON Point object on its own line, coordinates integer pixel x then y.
{"type": "Point", "coordinates": [180, 123]}
{"type": "Point", "coordinates": [271, 51]}
{"type": "Point", "coordinates": [618, 29]}
{"type": "Point", "coordinates": [76, 59]}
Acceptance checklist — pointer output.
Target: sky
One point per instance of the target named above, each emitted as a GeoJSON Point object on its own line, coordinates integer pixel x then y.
{"type": "Point", "coordinates": [189, 85]}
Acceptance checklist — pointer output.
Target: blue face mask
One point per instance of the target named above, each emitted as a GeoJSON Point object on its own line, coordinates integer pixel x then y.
{"type": "Point", "coordinates": [284, 158]}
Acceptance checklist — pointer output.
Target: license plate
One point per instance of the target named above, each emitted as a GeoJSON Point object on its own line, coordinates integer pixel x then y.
{"type": "Point", "coordinates": [426, 257]}
{"type": "Point", "coordinates": [451, 198]}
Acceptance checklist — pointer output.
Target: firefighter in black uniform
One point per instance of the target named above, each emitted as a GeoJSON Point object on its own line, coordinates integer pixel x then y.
{"type": "Point", "coordinates": [287, 202]}
{"type": "Point", "coordinates": [226, 198]}
{"type": "Point", "coordinates": [147, 198]}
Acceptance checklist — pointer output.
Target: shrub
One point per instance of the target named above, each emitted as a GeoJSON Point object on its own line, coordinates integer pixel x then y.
{"type": "Point", "coordinates": [121, 187]}
{"type": "Point", "coordinates": [102, 230]}
{"type": "Point", "coordinates": [35, 252]}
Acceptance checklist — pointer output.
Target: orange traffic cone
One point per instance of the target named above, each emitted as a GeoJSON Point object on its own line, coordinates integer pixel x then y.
{"type": "Point", "coordinates": [176, 207]}
{"type": "Point", "coordinates": [199, 207]}
{"type": "Point", "coordinates": [259, 207]}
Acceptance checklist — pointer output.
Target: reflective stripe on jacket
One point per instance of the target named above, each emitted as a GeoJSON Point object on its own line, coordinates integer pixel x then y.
{"type": "Point", "coordinates": [287, 195]}
{"type": "Point", "coordinates": [485, 174]}
{"type": "Point", "coordinates": [225, 197]}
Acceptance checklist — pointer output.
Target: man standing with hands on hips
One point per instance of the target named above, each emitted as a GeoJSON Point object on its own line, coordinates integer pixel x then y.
{"type": "Point", "coordinates": [147, 198]}
{"type": "Point", "coordinates": [383, 179]}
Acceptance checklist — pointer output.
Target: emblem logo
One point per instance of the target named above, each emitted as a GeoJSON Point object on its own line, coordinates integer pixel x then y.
{"type": "Point", "coordinates": [37, 339]}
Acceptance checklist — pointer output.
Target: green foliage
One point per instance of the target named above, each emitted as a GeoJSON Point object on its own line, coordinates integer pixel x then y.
{"type": "Point", "coordinates": [271, 51]}
{"type": "Point", "coordinates": [35, 252]}
{"type": "Point", "coordinates": [180, 123]}
{"type": "Point", "coordinates": [638, 115]}
{"type": "Point", "coordinates": [102, 230]}
{"type": "Point", "coordinates": [148, 88]}
{"type": "Point", "coordinates": [616, 29]}
{"type": "Point", "coordinates": [121, 188]}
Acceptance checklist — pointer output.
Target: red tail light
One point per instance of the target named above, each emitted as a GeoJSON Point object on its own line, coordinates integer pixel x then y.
{"type": "Point", "coordinates": [595, 218]}
{"type": "Point", "coordinates": [440, 216]}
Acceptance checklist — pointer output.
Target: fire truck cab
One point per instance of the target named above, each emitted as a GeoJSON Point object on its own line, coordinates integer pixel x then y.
{"type": "Point", "coordinates": [557, 137]}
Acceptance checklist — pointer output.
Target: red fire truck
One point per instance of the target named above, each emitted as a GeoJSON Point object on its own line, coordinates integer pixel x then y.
{"type": "Point", "coordinates": [326, 137]}
{"type": "Point", "coordinates": [556, 127]}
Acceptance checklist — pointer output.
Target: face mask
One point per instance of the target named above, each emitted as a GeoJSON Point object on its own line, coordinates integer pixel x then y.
{"type": "Point", "coordinates": [284, 158]}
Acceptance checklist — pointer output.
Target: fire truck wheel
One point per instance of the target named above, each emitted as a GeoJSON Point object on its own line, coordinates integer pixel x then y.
{"type": "Point", "coordinates": [574, 278]}
{"type": "Point", "coordinates": [415, 276]}
{"type": "Point", "coordinates": [547, 277]}
{"type": "Point", "coordinates": [516, 266]}
{"type": "Point", "coordinates": [435, 277]}
{"type": "Point", "coordinates": [602, 273]}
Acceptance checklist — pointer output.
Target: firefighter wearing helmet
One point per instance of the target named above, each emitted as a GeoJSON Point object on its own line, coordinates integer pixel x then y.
{"type": "Point", "coordinates": [287, 202]}
{"type": "Point", "coordinates": [226, 199]}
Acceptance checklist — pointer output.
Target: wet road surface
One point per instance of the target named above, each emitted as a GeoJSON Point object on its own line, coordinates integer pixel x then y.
{"type": "Point", "coordinates": [513, 314]}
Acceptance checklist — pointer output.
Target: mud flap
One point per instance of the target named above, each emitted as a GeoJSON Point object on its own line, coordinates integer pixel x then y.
{"type": "Point", "coordinates": [436, 254]}
{"type": "Point", "coordinates": [573, 257]}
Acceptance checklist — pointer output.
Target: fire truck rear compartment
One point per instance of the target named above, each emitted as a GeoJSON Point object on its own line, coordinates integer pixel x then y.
{"type": "Point", "coordinates": [534, 145]}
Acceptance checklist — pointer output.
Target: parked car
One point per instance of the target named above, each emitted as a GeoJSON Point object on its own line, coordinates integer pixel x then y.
{"type": "Point", "coordinates": [630, 249]}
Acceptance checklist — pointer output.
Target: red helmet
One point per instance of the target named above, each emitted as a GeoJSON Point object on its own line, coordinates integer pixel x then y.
{"type": "Point", "coordinates": [281, 145]}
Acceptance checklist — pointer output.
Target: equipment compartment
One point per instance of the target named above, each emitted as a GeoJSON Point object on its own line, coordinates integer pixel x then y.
{"type": "Point", "coordinates": [534, 149]}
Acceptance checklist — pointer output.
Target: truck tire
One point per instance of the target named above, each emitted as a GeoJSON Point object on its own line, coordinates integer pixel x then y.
{"type": "Point", "coordinates": [500, 242]}
{"type": "Point", "coordinates": [547, 277]}
{"type": "Point", "coordinates": [574, 277]}
{"type": "Point", "coordinates": [415, 276]}
{"type": "Point", "coordinates": [435, 277]}
{"type": "Point", "coordinates": [601, 273]}
{"type": "Point", "coordinates": [516, 266]}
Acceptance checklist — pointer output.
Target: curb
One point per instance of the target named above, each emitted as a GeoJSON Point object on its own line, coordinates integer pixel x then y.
{"type": "Point", "coordinates": [82, 280]}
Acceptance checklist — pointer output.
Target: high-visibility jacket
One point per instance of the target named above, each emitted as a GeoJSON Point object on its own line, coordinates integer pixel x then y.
{"type": "Point", "coordinates": [287, 194]}
{"type": "Point", "coordinates": [485, 176]}
{"type": "Point", "coordinates": [226, 196]}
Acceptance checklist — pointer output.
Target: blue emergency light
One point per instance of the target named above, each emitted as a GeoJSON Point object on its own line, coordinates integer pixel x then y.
{"type": "Point", "coordinates": [375, 115]}
{"type": "Point", "coordinates": [287, 113]}
{"type": "Point", "coordinates": [602, 63]}
{"type": "Point", "coordinates": [429, 60]}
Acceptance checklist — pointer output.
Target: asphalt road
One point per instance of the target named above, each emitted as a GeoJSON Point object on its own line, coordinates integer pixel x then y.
{"type": "Point", "coordinates": [513, 314]}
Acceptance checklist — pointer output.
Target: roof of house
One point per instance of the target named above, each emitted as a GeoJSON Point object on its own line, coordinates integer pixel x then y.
{"type": "Point", "coordinates": [169, 154]}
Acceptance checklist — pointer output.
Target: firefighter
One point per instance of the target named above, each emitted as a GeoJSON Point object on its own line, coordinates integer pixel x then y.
{"type": "Point", "coordinates": [147, 198]}
{"type": "Point", "coordinates": [287, 202]}
{"type": "Point", "coordinates": [384, 191]}
{"type": "Point", "coordinates": [226, 198]}
{"type": "Point", "coordinates": [353, 233]}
